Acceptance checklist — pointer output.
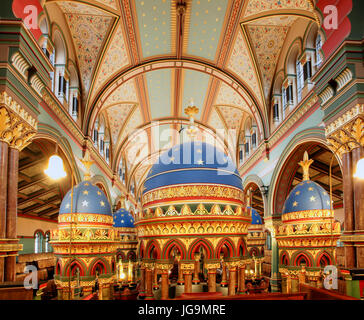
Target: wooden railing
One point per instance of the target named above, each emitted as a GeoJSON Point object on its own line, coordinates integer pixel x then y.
{"type": "Point", "coordinates": [322, 294]}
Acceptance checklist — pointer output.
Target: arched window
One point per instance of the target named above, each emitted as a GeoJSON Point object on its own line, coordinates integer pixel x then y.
{"type": "Point", "coordinates": [324, 261]}
{"type": "Point", "coordinates": [122, 170]}
{"type": "Point", "coordinates": [47, 246]}
{"type": "Point", "coordinates": [74, 93]}
{"type": "Point", "coordinates": [95, 133]}
{"type": "Point", "coordinates": [61, 78]}
{"type": "Point", "coordinates": [300, 80]}
{"type": "Point", "coordinates": [318, 51]}
{"type": "Point", "coordinates": [284, 260]}
{"type": "Point", "coordinates": [38, 242]}
{"type": "Point", "coordinates": [241, 148]}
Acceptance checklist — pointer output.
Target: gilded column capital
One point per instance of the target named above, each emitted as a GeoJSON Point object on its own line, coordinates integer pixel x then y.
{"type": "Point", "coordinates": [346, 132]}
{"type": "Point", "coordinates": [17, 126]}
{"type": "Point", "coordinates": [187, 267]}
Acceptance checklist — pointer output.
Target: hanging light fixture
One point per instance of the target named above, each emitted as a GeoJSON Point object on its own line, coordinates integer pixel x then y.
{"type": "Point", "coordinates": [359, 173]}
{"type": "Point", "coordinates": [55, 168]}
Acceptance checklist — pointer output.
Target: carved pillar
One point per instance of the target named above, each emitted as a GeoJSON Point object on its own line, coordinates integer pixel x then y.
{"type": "Point", "coordinates": [155, 284]}
{"type": "Point", "coordinates": [242, 279]}
{"type": "Point", "coordinates": [224, 281]}
{"type": "Point", "coordinates": [17, 128]}
{"type": "Point", "coordinates": [12, 199]}
{"type": "Point", "coordinates": [180, 280]}
{"type": "Point", "coordinates": [149, 284]}
{"type": "Point", "coordinates": [196, 272]}
{"type": "Point", "coordinates": [232, 281]}
{"type": "Point", "coordinates": [3, 198]}
{"type": "Point", "coordinates": [348, 207]}
{"type": "Point", "coordinates": [142, 282]}
{"type": "Point", "coordinates": [359, 207]}
{"type": "Point", "coordinates": [188, 280]}
{"type": "Point", "coordinates": [165, 285]}
{"type": "Point", "coordinates": [211, 279]}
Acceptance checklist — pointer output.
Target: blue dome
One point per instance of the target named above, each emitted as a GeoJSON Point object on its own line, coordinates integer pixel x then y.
{"type": "Point", "coordinates": [87, 198]}
{"type": "Point", "coordinates": [256, 218]}
{"type": "Point", "coordinates": [307, 195]}
{"type": "Point", "coordinates": [193, 162]}
{"type": "Point", "coordinates": [123, 219]}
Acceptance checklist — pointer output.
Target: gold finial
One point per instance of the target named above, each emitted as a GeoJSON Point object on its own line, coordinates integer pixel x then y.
{"type": "Point", "coordinates": [191, 111]}
{"type": "Point", "coordinates": [305, 164]}
{"type": "Point", "coordinates": [87, 162]}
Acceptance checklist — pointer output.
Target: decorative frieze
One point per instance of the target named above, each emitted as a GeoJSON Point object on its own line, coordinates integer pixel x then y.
{"type": "Point", "coordinates": [20, 64]}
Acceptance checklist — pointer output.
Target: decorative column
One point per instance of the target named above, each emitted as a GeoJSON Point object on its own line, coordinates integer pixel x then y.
{"type": "Point", "coordinates": [3, 201]}
{"type": "Point", "coordinates": [155, 284]}
{"type": "Point", "coordinates": [165, 285]}
{"type": "Point", "coordinates": [196, 279]}
{"type": "Point", "coordinates": [149, 284]}
{"type": "Point", "coordinates": [12, 199]}
{"type": "Point", "coordinates": [348, 207]}
{"type": "Point", "coordinates": [142, 282]}
{"type": "Point", "coordinates": [232, 280]}
{"type": "Point", "coordinates": [180, 280]}
{"type": "Point", "coordinates": [211, 279]}
{"type": "Point", "coordinates": [242, 279]}
{"type": "Point", "coordinates": [271, 223]}
{"type": "Point", "coordinates": [224, 281]}
{"type": "Point", "coordinates": [187, 272]}
{"type": "Point", "coordinates": [17, 129]}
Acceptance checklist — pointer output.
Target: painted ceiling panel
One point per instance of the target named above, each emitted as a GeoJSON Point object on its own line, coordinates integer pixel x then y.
{"type": "Point", "coordinates": [134, 121]}
{"type": "Point", "coordinates": [259, 6]}
{"type": "Point", "coordinates": [228, 96]}
{"type": "Point", "coordinates": [89, 27]}
{"type": "Point", "coordinates": [109, 3]}
{"type": "Point", "coordinates": [154, 22]}
{"type": "Point", "coordinates": [232, 117]}
{"type": "Point", "coordinates": [215, 120]}
{"type": "Point", "coordinates": [115, 59]}
{"type": "Point", "coordinates": [240, 63]}
{"type": "Point", "coordinates": [206, 22]}
{"type": "Point", "coordinates": [117, 115]}
{"type": "Point", "coordinates": [124, 93]}
{"type": "Point", "coordinates": [159, 90]}
{"type": "Point", "coordinates": [195, 87]}
{"type": "Point", "coordinates": [267, 42]}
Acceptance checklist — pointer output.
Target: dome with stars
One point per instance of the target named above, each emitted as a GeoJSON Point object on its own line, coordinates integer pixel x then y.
{"type": "Point", "coordinates": [87, 198]}
{"type": "Point", "coordinates": [123, 219]}
{"type": "Point", "coordinates": [193, 162]}
{"type": "Point", "coordinates": [256, 218]}
{"type": "Point", "coordinates": [307, 195]}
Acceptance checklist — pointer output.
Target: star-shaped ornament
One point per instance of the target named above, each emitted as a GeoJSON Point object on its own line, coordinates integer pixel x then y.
{"type": "Point", "coordinates": [102, 203]}
{"type": "Point", "coordinates": [298, 193]}
{"type": "Point", "coordinates": [200, 162]}
{"type": "Point", "coordinates": [85, 192]}
{"type": "Point", "coordinates": [312, 199]}
{"type": "Point", "coordinates": [295, 204]}
{"type": "Point", "coordinates": [85, 203]}
{"type": "Point", "coordinates": [67, 205]}
{"type": "Point", "coordinates": [310, 189]}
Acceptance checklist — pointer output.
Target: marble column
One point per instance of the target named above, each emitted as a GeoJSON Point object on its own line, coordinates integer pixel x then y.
{"type": "Point", "coordinates": [242, 279]}
{"type": "Point", "coordinates": [149, 284]}
{"type": "Point", "coordinates": [211, 280]}
{"type": "Point", "coordinates": [165, 285]}
{"type": "Point", "coordinates": [3, 197]}
{"type": "Point", "coordinates": [12, 199]}
{"type": "Point", "coordinates": [188, 281]}
{"type": "Point", "coordinates": [232, 281]}
{"type": "Point", "coordinates": [349, 225]}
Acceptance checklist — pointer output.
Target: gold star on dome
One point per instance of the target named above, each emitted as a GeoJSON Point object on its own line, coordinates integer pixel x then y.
{"type": "Point", "coordinates": [85, 192]}
{"type": "Point", "coordinates": [200, 162]}
{"type": "Point", "coordinates": [295, 204]}
{"type": "Point", "coordinates": [312, 199]}
{"type": "Point", "coordinates": [86, 184]}
{"type": "Point", "coordinates": [171, 158]}
{"type": "Point", "coordinates": [85, 203]}
{"type": "Point", "coordinates": [310, 189]}
{"type": "Point", "coordinates": [99, 193]}
{"type": "Point", "coordinates": [199, 151]}
{"type": "Point", "coordinates": [102, 203]}
{"type": "Point", "coordinates": [67, 205]}
{"type": "Point", "coordinates": [298, 193]}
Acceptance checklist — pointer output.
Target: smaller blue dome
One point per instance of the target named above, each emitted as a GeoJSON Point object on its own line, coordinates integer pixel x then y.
{"type": "Point", "coordinates": [256, 218]}
{"type": "Point", "coordinates": [87, 198]}
{"type": "Point", "coordinates": [307, 195]}
{"type": "Point", "coordinates": [123, 219]}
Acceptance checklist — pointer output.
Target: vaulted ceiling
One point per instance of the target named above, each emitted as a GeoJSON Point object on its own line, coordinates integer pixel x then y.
{"type": "Point", "coordinates": [142, 61]}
